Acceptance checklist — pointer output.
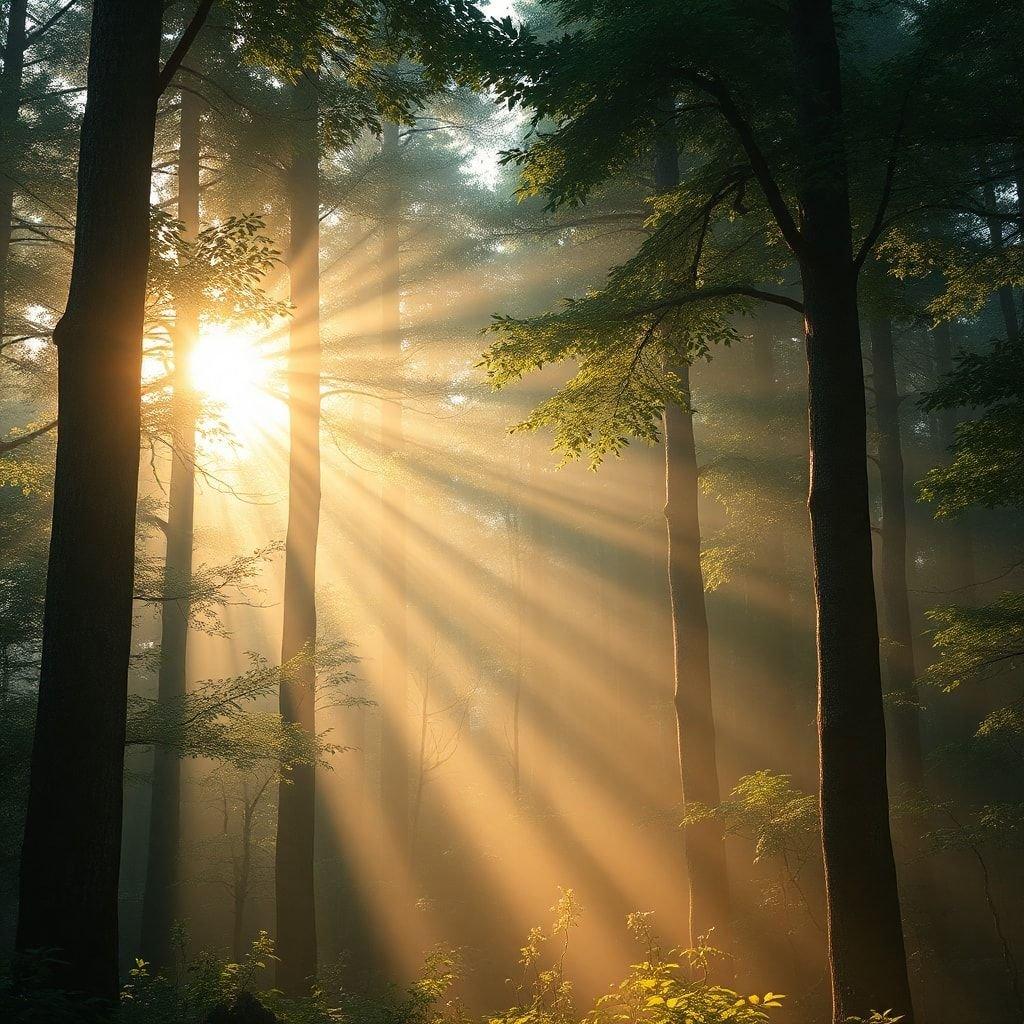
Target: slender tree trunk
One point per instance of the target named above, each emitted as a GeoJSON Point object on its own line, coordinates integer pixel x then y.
{"type": "Point", "coordinates": [395, 753]}
{"type": "Point", "coordinates": [10, 102]}
{"type": "Point", "coordinates": [238, 924]}
{"type": "Point", "coordinates": [695, 721]}
{"type": "Point", "coordinates": [160, 895]}
{"type": "Point", "coordinates": [898, 643]}
{"type": "Point", "coordinates": [903, 711]}
{"type": "Point", "coordinates": [244, 871]}
{"type": "Point", "coordinates": [866, 949]}
{"type": "Point", "coordinates": [71, 852]}
{"type": "Point", "coordinates": [296, 915]}
{"type": "Point", "coordinates": [962, 573]}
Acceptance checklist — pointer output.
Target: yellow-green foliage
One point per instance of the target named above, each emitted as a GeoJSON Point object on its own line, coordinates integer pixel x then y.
{"type": "Point", "coordinates": [781, 822]}
{"type": "Point", "coordinates": [976, 643]}
{"type": "Point", "coordinates": [665, 987]}
{"type": "Point", "coordinates": [675, 987]}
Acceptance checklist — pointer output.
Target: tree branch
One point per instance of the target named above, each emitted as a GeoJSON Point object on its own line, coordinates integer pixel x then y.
{"type": "Point", "coordinates": [890, 174]}
{"type": "Point", "coordinates": [758, 162]}
{"type": "Point", "coordinates": [721, 292]}
{"type": "Point", "coordinates": [184, 44]}
{"type": "Point", "coordinates": [17, 442]}
{"type": "Point", "coordinates": [41, 29]}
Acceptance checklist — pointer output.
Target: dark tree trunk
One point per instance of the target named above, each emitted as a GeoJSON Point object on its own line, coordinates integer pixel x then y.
{"type": "Point", "coordinates": [160, 895]}
{"type": "Point", "coordinates": [395, 738]}
{"type": "Point", "coordinates": [866, 948]}
{"type": "Point", "coordinates": [10, 102]}
{"type": "Point", "coordinates": [238, 924]}
{"type": "Point", "coordinates": [898, 642]}
{"type": "Point", "coordinates": [243, 871]}
{"type": "Point", "coordinates": [695, 721]}
{"type": "Point", "coordinates": [296, 917]}
{"type": "Point", "coordinates": [72, 842]}
{"type": "Point", "coordinates": [962, 569]}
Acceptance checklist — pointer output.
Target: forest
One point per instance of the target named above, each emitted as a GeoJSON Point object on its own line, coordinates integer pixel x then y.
{"type": "Point", "coordinates": [511, 511]}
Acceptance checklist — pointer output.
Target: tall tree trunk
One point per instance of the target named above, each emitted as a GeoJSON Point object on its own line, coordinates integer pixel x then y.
{"type": "Point", "coordinates": [243, 872]}
{"type": "Point", "coordinates": [395, 752]}
{"type": "Point", "coordinates": [296, 915]}
{"type": "Point", "coordinates": [963, 572]}
{"type": "Point", "coordinates": [695, 721]}
{"type": "Point", "coordinates": [10, 102]}
{"type": "Point", "coordinates": [160, 894]}
{"type": "Point", "coordinates": [866, 949]}
{"type": "Point", "coordinates": [898, 646]}
{"type": "Point", "coordinates": [71, 852]}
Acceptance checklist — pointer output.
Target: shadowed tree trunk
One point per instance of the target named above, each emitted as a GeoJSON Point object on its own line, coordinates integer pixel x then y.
{"type": "Point", "coordinates": [695, 720]}
{"type": "Point", "coordinates": [162, 868]}
{"type": "Point", "coordinates": [10, 102]}
{"type": "Point", "coordinates": [898, 643]}
{"type": "Point", "coordinates": [296, 916]}
{"type": "Point", "coordinates": [71, 852]}
{"type": "Point", "coordinates": [865, 934]}
{"type": "Point", "coordinates": [241, 865]}
{"type": "Point", "coordinates": [395, 752]}
{"type": "Point", "coordinates": [961, 551]}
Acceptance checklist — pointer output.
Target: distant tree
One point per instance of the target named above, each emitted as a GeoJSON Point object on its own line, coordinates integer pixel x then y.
{"type": "Point", "coordinates": [691, 646]}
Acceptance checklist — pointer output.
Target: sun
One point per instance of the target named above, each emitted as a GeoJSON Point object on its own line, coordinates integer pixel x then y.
{"type": "Point", "coordinates": [231, 367]}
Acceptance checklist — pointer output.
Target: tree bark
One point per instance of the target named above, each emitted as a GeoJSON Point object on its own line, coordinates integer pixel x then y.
{"type": "Point", "coordinates": [160, 894]}
{"type": "Point", "coordinates": [71, 852]}
{"type": "Point", "coordinates": [962, 574]}
{"type": "Point", "coordinates": [898, 642]}
{"type": "Point", "coordinates": [691, 650]}
{"type": "Point", "coordinates": [395, 741]}
{"type": "Point", "coordinates": [865, 935]}
{"type": "Point", "coordinates": [243, 871]}
{"type": "Point", "coordinates": [294, 882]}
{"type": "Point", "coordinates": [695, 721]}
{"type": "Point", "coordinates": [10, 102]}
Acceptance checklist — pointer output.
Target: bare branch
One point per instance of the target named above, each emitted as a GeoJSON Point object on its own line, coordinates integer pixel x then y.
{"type": "Point", "coordinates": [184, 44]}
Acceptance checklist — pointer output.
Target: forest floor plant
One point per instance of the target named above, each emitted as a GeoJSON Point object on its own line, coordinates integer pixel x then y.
{"type": "Point", "coordinates": [663, 987]}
